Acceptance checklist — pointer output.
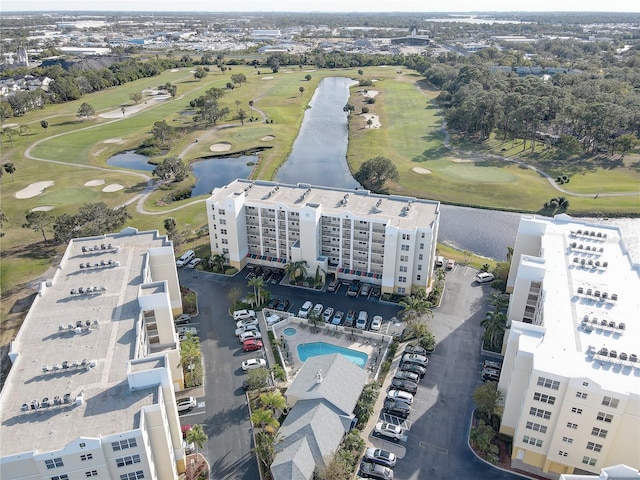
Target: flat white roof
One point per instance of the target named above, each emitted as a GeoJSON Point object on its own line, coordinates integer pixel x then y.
{"type": "Point", "coordinates": [109, 406]}
{"type": "Point", "coordinates": [388, 209]}
{"type": "Point", "coordinates": [569, 347]}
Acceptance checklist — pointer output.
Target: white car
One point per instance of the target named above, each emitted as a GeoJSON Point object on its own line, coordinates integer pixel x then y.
{"type": "Point", "coordinates": [253, 363]}
{"type": "Point", "coordinates": [484, 277]}
{"type": "Point", "coordinates": [247, 328]}
{"type": "Point", "coordinates": [328, 313]}
{"type": "Point", "coordinates": [317, 309]}
{"type": "Point", "coordinates": [305, 309]}
{"type": "Point", "coordinates": [273, 319]}
{"type": "Point", "coordinates": [376, 323]}
{"type": "Point", "coordinates": [389, 430]}
{"type": "Point", "coordinates": [250, 336]}
{"type": "Point", "coordinates": [243, 314]}
{"type": "Point", "coordinates": [400, 396]}
{"type": "Point", "coordinates": [185, 330]}
{"type": "Point", "coordinates": [194, 263]}
{"type": "Point", "coordinates": [186, 404]}
{"type": "Point", "coordinates": [189, 448]}
{"type": "Point", "coordinates": [246, 321]}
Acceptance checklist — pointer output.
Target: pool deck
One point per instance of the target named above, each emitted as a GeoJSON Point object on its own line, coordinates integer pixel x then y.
{"type": "Point", "coordinates": [375, 348]}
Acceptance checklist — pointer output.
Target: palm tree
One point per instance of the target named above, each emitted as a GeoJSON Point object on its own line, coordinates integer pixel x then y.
{"type": "Point", "coordinates": [217, 262]}
{"type": "Point", "coordinates": [499, 301]}
{"type": "Point", "coordinates": [251, 107]}
{"type": "Point", "coordinates": [10, 168]}
{"type": "Point", "coordinates": [258, 287]}
{"type": "Point", "coordinates": [295, 268]}
{"type": "Point", "coordinates": [266, 447]}
{"type": "Point", "coordinates": [494, 324]}
{"type": "Point", "coordinates": [264, 419]}
{"type": "Point", "coordinates": [414, 307]}
{"type": "Point", "coordinates": [273, 400]}
{"type": "Point", "coordinates": [197, 436]}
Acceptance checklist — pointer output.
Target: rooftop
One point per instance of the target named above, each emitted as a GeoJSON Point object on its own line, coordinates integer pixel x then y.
{"type": "Point", "coordinates": [78, 344]}
{"type": "Point", "coordinates": [402, 212]}
{"type": "Point", "coordinates": [588, 306]}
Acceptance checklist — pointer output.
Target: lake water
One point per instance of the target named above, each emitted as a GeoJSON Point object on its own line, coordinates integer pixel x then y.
{"type": "Point", "coordinates": [132, 160]}
{"type": "Point", "coordinates": [217, 172]}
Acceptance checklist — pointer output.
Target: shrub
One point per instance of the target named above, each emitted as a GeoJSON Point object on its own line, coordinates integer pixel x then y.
{"type": "Point", "coordinates": [365, 109]}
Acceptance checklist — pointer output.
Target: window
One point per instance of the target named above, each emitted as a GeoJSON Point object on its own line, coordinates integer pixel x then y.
{"type": "Point", "coordinates": [567, 439]}
{"type": "Point", "coordinates": [223, 231]}
{"type": "Point", "coordinates": [54, 463]}
{"type": "Point", "coordinates": [585, 384]}
{"type": "Point", "coordinates": [404, 258]}
{"type": "Point", "coordinates": [581, 395]}
{"type": "Point", "coordinates": [541, 397]}
{"type": "Point", "coordinates": [132, 476]}
{"type": "Point", "coordinates": [220, 211]}
{"type": "Point", "coordinates": [572, 425]}
{"type": "Point", "coordinates": [562, 454]}
{"type": "Point", "coordinates": [422, 246]}
{"type": "Point", "coordinates": [610, 402]}
{"type": "Point", "coordinates": [589, 461]}
{"type": "Point", "coordinates": [129, 460]}
{"type": "Point", "coordinates": [91, 473]}
{"type": "Point", "coordinates": [88, 456]}
{"type": "Point", "coordinates": [402, 279]}
{"type": "Point", "coordinates": [420, 257]}
{"type": "Point", "coordinates": [418, 278]}
{"type": "Point", "coordinates": [537, 427]}
{"type": "Point", "coordinates": [64, 476]}
{"type": "Point", "coordinates": [596, 447]}
{"type": "Point", "coordinates": [225, 251]}
{"type": "Point", "coordinates": [406, 236]}
{"type": "Point", "coordinates": [82, 445]}
{"type": "Point", "coordinates": [404, 247]}
{"type": "Point", "coordinates": [599, 432]}
{"type": "Point", "coordinates": [538, 412]}
{"type": "Point", "coordinates": [532, 441]}
{"type": "Point", "coordinates": [124, 444]}
{"type": "Point", "coordinates": [224, 241]}
{"type": "Point", "coordinates": [577, 410]}
{"type": "Point", "coordinates": [401, 290]}
{"type": "Point", "coordinates": [604, 417]}
{"type": "Point", "coordinates": [223, 221]}
{"type": "Point", "coordinates": [419, 267]}
{"type": "Point", "coordinates": [547, 383]}
{"type": "Point", "coordinates": [403, 269]}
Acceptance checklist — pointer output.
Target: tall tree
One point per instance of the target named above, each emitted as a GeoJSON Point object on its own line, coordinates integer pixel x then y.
{"type": "Point", "coordinates": [44, 124]}
{"type": "Point", "coordinates": [374, 173]}
{"type": "Point", "coordinates": [39, 222]}
{"type": "Point", "coordinates": [86, 111]}
{"type": "Point", "coordinates": [171, 167]}
{"type": "Point", "coordinates": [494, 324]}
{"type": "Point", "coordinates": [415, 307]}
{"type": "Point", "coordinates": [301, 90]}
{"type": "Point", "coordinates": [135, 97]}
{"type": "Point", "coordinates": [197, 436]}
{"type": "Point", "coordinates": [258, 285]}
{"type": "Point", "coordinates": [10, 168]}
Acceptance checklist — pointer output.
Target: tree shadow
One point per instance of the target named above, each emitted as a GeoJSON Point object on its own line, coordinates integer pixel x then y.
{"type": "Point", "coordinates": [435, 153]}
{"type": "Point", "coordinates": [137, 188]}
{"type": "Point", "coordinates": [635, 166]}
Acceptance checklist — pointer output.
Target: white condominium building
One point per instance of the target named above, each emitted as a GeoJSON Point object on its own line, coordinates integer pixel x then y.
{"type": "Point", "coordinates": [95, 366]}
{"type": "Point", "coordinates": [571, 372]}
{"type": "Point", "coordinates": [386, 240]}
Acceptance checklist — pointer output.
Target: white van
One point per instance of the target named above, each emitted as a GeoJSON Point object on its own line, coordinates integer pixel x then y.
{"type": "Point", "coordinates": [305, 309]}
{"type": "Point", "coordinates": [185, 258]}
{"type": "Point", "coordinates": [439, 261]}
{"type": "Point", "coordinates": [363, 316]}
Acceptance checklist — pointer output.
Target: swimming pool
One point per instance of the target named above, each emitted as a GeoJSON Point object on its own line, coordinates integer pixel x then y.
{"type": "Point", "coordinates": [306, 350]}
{"type": "Point", "coordinates": [289, 331]}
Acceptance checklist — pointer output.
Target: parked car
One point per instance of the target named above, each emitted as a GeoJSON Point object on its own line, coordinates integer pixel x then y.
{"type": "Point", "coordinates": [272, 319]}
{"type": "Point", "coordinates": [338, 317]}
{"type": "Point", "coordinates": [417, 349]}
{"type": "Point", "coordinates": [415, 358]}
{"type": "Point", "coordinates": [405, 375]}
{"type": "Point", "coordinates": [365, 290]}
{"type": "Point", "coordinates": [317, 309]}
{"type": "Point", "coordinates": [185, 330]}
{"type": "Point", "coordinates": [354, 288]}
{"type": "Point", "coordinates": [439, 261]}
{"type": "Point", "coordinates": [185, 430]}
{"type": "Point", "coordinates": [405, 385]}
{"type": "Point", "coordinates": [333, 285]}
{"type": "Point", "coordinates": [182, 319]}
{"type": "Point", "coordinates": [305, 309]}
{"type": "Point", "coordinates": [376, 323]}
{"type": "Point", "coordinates": [381, 457]}
{"type": "Point", "coordinates": [328, 313]}
{"type": "Point", "coordinates": [272, 303]}
{"type": "Point", "coordinates": [243, 314]}
{"type": "Point", "coordinates": [189, 448]}
{"type": "Point", "coordinates": [363, 317]}
{"type": "Point", "coordinates": [194, 263]}
{"type": "Point", "coordinates": [415, 368]}
{"type": "Point", "coordinates": [373, 470]}
{"type": "Point", "coordinates": [490, 375]}
{"type": "Point", "coordinates": [396, 408]}
{"type": "Point", "coordinates": [492, 364]}
{"type": "Point", "coordinates": [450, 264]}
{"type": "Point", "coordinates": [253, 363]}
{"type": "Point", "coordinates": [250, 336]}
{"type": "Point", "coordinates": [484, 277]}
{"type": "Point", "coordinates": [247, 328]}
{"type": "Point", "coordinates": [186, 404]}
{"type": "Point", "coordinates": [400, 396]}
{"type": "Point", "coordinates": [246, 322]}
{"type": "Point", "coordinates": [350, 318]}
{"type": "Point", "coordinates": [282, 305]}
{"type": "Point", "coordinates": [389, 430]}
{"type": "Point", "coordinates": [185, 258]}
{"type": "Point", "coordinates": [251, 345]}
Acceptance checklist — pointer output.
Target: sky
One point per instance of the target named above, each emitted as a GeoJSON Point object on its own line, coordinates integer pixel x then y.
{"type": "Point", "coordinates": [325, 6]}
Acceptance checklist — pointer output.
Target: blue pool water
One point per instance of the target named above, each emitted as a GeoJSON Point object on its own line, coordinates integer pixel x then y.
{"type": "Point", "coordinates": [289, 331]}
{"type": "Point", "coordinates": [306, 350]}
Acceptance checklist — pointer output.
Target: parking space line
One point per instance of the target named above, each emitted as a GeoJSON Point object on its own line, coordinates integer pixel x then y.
{"type": "Point", "coordinates": [433, 448]}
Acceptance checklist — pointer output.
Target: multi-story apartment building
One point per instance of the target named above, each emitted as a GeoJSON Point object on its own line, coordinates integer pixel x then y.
{"type": "Point", "coordinates": [96, 364]}
{"type": "Point", "coordinates": [571, 373]}
{"type": "Point", "coordinates": [387, 240]}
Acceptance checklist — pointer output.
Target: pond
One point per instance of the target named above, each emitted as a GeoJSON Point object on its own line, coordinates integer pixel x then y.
{"type": "Point", "coordinates": [217, 172]}
{"type": "Point", "coordinates": [131, 159]}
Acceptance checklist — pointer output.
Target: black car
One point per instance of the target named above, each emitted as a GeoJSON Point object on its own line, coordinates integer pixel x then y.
{"type": "Point", "coordinates": [405, 375]}
{"type": "Point", "coordinates": [396, 408]}
{"type": "Point", "coordinates": [404, 385]}
{"type": "Point", "coordinates": [412, 367]}
{"type": "Point", "coordinates": [282, 305]}
{"type": "Point", "coordinates": [273, 303]}
{"type": "Point", "coordinates": [417, 349]}
{"type": "Point", "coordinates": [182, 319]}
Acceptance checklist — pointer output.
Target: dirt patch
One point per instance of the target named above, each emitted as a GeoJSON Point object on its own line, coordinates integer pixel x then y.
{"type": "Point", "coordinates": [113, 140]}
{"type": "Point", "coordinates": [43, 208]}
{"type": "Point", "coordinates": [267, 78]}
{"type": "Point", "coordinates": [371, 93]}
{"type": "Point", "coordinates": [174, 70]}
{"type": "Point", "coordinates": [94, 183]}
{"type": "Point", "coordinates": [466, 160]}
{"type": "Point", "coordinates": [34, 189]}
{"type": "Point", "coordinates": [114, 187]}
{"type": "Point", "coordinates": [375, 120]}
{"type": "Point", "coordinates": [421, 171]}
{"type": "Point", "coordinates": [268, 138]}
{"type": "Point", "coordinates": [220, 147]}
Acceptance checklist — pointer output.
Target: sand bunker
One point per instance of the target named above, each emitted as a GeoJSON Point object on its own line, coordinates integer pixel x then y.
{"type": "Point", "coordinates": [371, 93]}
{"type": "Point", "coordinates": [174, 70]}
{"type": "Point", "coordinates": [220, 147]}
{"type": "Point", "coordinates": [94, 183]}
{"type": "Point", "coordinates": [34, 189]}
{"type": "Point", "coordinates": [10, 125]}
{"type": "Point", "coordinates": [375, 120]}
{"type": "Point", "coordinates": [44, 208]}
{"type": "Point", "coordinates": [422, 171]}
{"type": "Point", "coordinates": [268, 138]}
{"type": "Point", "coordinates": [113, 140]}
{"type": "Point", "coordinates": [267, 78]}
{"type": "Point", "coordinates": [114, 187]}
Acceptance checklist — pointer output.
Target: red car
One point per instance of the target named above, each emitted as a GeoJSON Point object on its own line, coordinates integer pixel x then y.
{"type": "Point", "coordinates": [185, 429]}
{"type": "Point", "coordinates": [251, 345]}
